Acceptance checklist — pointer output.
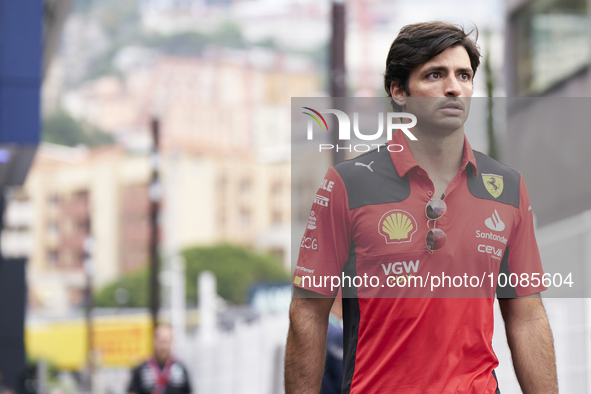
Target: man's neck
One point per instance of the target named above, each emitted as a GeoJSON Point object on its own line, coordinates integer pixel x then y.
{"type": "Point", "coordinates": [161, 361]}
{"type": "Point", "coordinates": [440, 154]}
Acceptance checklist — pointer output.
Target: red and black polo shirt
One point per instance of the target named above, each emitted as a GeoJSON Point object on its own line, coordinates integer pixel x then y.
{"type": "Point", "coordinates": [368, 220]}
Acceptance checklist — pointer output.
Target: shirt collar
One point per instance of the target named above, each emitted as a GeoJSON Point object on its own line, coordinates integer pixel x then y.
{"type": "Point", "coordinates": [404, 161]}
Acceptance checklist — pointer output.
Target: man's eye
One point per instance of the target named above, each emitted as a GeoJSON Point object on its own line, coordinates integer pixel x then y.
{"type": "Point", "coordinates": [465, 76]}
{"type": "Point", "coordinates": [433, 75]}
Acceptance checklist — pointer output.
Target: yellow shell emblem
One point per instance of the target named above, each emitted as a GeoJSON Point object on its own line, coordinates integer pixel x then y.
{"type": "Point", "coordinates": [397, 226]}
{"type": "Point", "coordinates": [493, 184]}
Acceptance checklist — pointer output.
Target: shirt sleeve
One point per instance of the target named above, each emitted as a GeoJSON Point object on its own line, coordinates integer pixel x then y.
{"type": "Point", "coordinates": [524, 255]}
{"type": "Point", "coordinates": [134, 384]}
{"type": "Point", "coordinates": [187, 388]}
{"type": "Point", "coordinates": [324, 247]}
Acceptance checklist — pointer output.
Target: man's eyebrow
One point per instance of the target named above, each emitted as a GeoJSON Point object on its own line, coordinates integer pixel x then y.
{"type": "Point", "coordinates": [442, 68]}
{"type": "Point", "coordinates": [465, 70]}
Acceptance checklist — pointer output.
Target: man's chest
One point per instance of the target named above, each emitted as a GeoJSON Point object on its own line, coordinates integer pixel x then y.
{"type": "Point", "coordinates": [389, 240]}
{"type": "Point", "coordinates": [176, 379]}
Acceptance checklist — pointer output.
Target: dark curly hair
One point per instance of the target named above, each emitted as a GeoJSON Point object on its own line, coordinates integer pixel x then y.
{"type": "Point", "coordinates": [418, 43]}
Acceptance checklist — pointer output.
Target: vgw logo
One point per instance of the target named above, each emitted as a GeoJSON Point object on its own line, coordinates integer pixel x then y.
{"type": "Point", "coordinates": [344, 128]}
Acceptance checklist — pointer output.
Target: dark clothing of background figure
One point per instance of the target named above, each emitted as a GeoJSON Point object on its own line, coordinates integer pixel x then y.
{"type": "Point", "coordinates": [143, 380]}
{"type": "Point", "coordinates": [333, 372]}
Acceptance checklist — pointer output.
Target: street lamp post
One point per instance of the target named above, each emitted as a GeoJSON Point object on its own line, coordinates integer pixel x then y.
{"type": "Point", "coordinates": [338, 73]}
{"type": "Point", "coordinates": [154, 285]}
{"type": "Point", "coordinates": [88, 307]}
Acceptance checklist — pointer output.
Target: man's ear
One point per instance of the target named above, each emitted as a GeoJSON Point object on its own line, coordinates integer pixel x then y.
{"type": "Point", "coordinates": [398, 94]}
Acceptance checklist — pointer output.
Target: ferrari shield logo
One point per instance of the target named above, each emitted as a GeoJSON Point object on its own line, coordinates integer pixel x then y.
{"type": "Point", "coordinates": [493, 183]}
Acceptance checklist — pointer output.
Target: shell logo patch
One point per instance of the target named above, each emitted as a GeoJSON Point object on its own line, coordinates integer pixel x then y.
{"type": "Point", "coordinates": [493, 184]}
{"type": "Point", "coordinates": [397, 226]}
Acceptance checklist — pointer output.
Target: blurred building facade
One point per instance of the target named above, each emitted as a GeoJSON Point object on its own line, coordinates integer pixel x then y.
{"type": "Point", "coordinates": [225, 162]}
{"type": "Point", "coordinates": [210, 103]}
{"type": "Point", "coordinates": [548, 57]}
{"type": "Point", "coordinates": [548, 81]}
{"type": "Point", "coordinates": [75, 193]}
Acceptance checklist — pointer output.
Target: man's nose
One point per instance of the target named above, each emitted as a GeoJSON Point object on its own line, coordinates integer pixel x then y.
{"type": "Point", "coordinates": [452, 87]}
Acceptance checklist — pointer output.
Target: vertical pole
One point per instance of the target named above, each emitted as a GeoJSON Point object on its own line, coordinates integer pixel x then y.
{"type": "Point", "coordinates": [338, 86]}
{"type": "Point", "coordinates": [178, 304]}
{"type": "Point", "coordinates": [154, 286]}
{"type": "Point", "coordinates": [490, 86]}
{"type": "Point", "coordinates": [89, 304]}
{"type": "Point", "coordinates": [174, 261]}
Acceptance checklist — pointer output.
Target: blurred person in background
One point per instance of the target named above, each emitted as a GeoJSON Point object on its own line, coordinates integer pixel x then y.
{"type": "Point", "coordinates": [333, 367]}
{"type": "Point", "coordinates": [421, 345]}
{"type": "Point", "coordinates": [161, 374]}
{"type": "Point", "coordinates": [3, 388]}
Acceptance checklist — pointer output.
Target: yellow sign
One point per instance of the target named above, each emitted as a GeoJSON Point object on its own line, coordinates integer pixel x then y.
{"type": "Point", "coordinates": [493, 183]}
{"type": "Point", "coordinates": [119, 341]}
{"type": "Point", "coordinates": [397, 226]}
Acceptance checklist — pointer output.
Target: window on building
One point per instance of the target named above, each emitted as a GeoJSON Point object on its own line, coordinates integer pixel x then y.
{"type": "Point", "coordinates": [81, 259]}
{"type": "Point", "coordinates": [245, 217]}
{"type": "Point", "coordinates": [222, 219]}
{"type": "Point", "coordinates": [276, 189]}
{"type": "Point", "coordinates": [222, 184]}
{"type": "Point", "coordinates": [245, 186]}
{"type": "Point", "coordinates": [82, 195]}
{"type": "Point", "coordinates": [276, 217]}
{"type": "Point", "coordinates": [52, 229]}
{"type": "Point", "coordinates": [84, 226]}
{"type": "Point", "coordinates": [552, 43]}
{"type": "Point", "coordinates": [53, 257]}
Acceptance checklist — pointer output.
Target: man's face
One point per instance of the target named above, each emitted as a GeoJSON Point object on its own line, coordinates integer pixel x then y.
{"type": "Point", "coordinates": [439, 90]}
{"type": "Point", "coordinates": [162, 343]}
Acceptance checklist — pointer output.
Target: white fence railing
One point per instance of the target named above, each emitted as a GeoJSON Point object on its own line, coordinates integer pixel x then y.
{"type": "Point", "coordinates": [570, 318]}
{"type": "Point", "coordinates": [246, 360]}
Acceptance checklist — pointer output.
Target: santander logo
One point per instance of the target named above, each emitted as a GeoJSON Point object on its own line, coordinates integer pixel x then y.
{"type": "Point", "coordinates": [494, 222]}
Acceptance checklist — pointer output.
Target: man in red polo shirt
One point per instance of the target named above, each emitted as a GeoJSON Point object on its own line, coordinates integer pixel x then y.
{"type": "Point", "coordinates": [433, 209]}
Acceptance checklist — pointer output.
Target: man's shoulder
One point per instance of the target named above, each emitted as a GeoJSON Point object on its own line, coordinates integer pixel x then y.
{"type": "Point", "coordinates": [494, 181]}
{"type": "Point", "coordinates": [137, 369]}
{"type": "Point", "coordinates": [486, 164]}
{"type": "Point", "coordinates": [371, 178]}
{"type": "Point", "coordinates": [141, 365]}
{"type": "Point", "coordinates": [369, 162]}
{"type": "Point", "coordinates": [180, 364]}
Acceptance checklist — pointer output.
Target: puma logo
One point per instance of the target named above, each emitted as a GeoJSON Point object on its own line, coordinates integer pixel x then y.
{"type": "Point", "coordinates": [364, 165]}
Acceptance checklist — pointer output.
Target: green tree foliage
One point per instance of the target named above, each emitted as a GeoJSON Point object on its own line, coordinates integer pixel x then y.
{"type": "Point", "coordinates": [120, 19]}
{"type": "Point", "coordinates": [227, 35]}
{"type": "Point", "coordinates": [136, 285]}
{"type": "Point", "coordinates": [60, 128]}
{"type": "Point", "coordinates": [114, 16]}
{"type": "Point", "coordinates": [181, 44]}
{"type": "Point", "coordinates": [235, 268]}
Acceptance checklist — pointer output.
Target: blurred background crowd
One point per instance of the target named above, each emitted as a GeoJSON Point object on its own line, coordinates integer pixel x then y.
{"type": "Point", "coordinates": [160, 181]}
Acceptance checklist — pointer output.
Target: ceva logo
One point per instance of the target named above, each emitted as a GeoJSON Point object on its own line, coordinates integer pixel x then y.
{"type": "Point", "coordinates": [344, 124]}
